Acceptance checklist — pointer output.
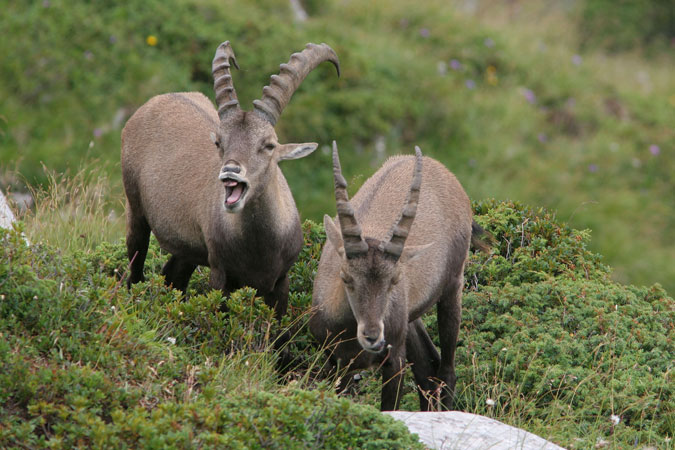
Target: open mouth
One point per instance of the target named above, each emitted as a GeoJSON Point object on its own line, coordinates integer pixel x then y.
{"type": "Point", "coordinates": [235, 191]}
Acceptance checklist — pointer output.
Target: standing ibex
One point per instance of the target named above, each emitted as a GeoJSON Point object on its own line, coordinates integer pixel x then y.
{"type": "Point", "coordinates": [380, 271]}
{"type": "Point", "coordinates": [208, 184]}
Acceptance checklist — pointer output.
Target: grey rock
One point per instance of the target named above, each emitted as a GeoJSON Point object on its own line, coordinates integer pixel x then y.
{"type": "Point", "coordinates": [6, 215]}
{"type": "Point", "coordinates": [454, 430]}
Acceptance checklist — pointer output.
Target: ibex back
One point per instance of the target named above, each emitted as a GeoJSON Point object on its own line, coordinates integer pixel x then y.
{"type": "Point", "coordinates": [383, 267]}
{"type": "Point", "coordinates": [207, 183]}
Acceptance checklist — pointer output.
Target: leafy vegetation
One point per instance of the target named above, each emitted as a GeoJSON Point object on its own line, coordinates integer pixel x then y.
{"type": "Point", "coordinates": [519, 99]}
{"type": "Point", "coordinates": [88, 363]}
{"type": "Point", "coordinates": [548, 343]}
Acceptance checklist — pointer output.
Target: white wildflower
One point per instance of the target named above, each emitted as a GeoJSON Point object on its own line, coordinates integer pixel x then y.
{"type": "Point", "coordinates": [615, 419]}
{"type": "Point", "coordinates": [601, 443]}
{"type": "Point", "coordinates": [172, 340]}
{"type": "Point", "coordinates": [490, 402]}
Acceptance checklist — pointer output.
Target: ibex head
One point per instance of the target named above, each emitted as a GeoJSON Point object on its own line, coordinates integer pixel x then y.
{"type": "Point", "coordinates": [371, 269]}
{"type": "Point", "coordinates": [246, 140]}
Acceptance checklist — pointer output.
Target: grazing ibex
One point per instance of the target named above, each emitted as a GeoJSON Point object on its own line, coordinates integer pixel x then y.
{"type": "Point", "coordinates": [381, 269]}
{"type": "Point", "coordinates": [208, 184]}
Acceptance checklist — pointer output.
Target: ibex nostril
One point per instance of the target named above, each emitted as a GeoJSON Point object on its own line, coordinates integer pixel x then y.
{"type": "Point", "coordinates": [372, 339]}
{"type": "Point", "coordinates": [233, 169]}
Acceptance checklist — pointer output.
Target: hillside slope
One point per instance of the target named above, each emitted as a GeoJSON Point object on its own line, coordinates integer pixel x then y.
{"type": "Point", "coordinates": [507, 100]}
{"type": "Point", "coordinates": [548, 343]}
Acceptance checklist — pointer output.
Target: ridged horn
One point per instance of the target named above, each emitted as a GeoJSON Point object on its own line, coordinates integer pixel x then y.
{"type": "Point", "coordinates": [351, 231]}
{"type": "Point", "coordinates": [399, 232]}
{"type": "Point", "coordinates": [281, 88]}
{"type": "Point", "coordinates": [226, 96]}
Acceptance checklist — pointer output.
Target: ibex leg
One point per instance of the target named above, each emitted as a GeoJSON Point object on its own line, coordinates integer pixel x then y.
{"type": "Point", "coordinates": [177, 273]}
{"type": "Point", "coordinates": [138, 239]}
{"type": "Point", "coordinates": [278, 300]}
{"type": "Point", "coordinates": [393, 370]}
{"type": "Point", "coordinates": [449, 310]}
{"type": "Point", "coordinates": [425, 360]}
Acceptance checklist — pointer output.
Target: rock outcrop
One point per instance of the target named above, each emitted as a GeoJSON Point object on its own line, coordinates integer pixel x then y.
{"type": "Point", "coordinates": [6, 215]}
{"type": "Point", "coordinates": [454, 430]}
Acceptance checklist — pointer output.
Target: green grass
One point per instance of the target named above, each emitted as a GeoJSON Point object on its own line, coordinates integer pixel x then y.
{"type": "Point", "coordinates": [534, 107]}
{"type": "Point", "coordinates": [76, 212]}
{"type": "Point", "coordinates": [556, 345]}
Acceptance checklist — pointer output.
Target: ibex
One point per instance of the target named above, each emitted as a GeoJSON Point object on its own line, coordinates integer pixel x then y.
{"type": "Point", "coordinates": [208, 185]}
{"type": "Point", "coordinates": [382, 269]}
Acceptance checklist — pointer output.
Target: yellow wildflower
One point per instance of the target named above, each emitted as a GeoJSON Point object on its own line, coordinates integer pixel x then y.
{"type": "Point", "coordinates": [151, 40]}
{"type": "Point", "coordinates": [491, 75]}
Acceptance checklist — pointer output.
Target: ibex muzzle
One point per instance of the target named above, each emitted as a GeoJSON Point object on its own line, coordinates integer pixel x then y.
{"type": "Point", "coordinates": [222, 200]}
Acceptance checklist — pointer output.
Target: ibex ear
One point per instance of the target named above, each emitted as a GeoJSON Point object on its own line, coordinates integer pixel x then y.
{"type": "Point", "coordinates": [333, 235]}
{"type": "Point", "coordinates": [411, 252]}
{"type": "Point", "coordinates": [295, 151]}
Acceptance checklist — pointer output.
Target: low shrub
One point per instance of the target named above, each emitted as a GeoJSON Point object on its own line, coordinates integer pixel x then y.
{"type": "Point", "coordinates": [556, 346]}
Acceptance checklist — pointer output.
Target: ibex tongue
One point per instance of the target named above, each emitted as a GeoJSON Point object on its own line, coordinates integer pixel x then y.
{"type": "Point", "coordinates": [234, 193]}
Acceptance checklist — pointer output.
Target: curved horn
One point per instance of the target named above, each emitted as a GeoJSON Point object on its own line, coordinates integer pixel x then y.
{"type": "Point", "coordinates": [351, 231]}
{"type": "Point", "coordinates": [399, 232]}
{"type": "Point", "coordinates": [277, 95]}
{"type": "Point", "coordinates": [226, 96]}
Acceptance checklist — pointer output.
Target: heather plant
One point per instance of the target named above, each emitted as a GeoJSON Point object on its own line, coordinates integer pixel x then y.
{"type": "Point", "coordinates": [87, 363]}
{"type": "Point", "coordinates": [548, 343]}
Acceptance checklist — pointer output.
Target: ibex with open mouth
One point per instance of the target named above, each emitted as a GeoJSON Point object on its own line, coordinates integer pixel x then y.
{"type": "Point", "coordinates": [381, 269]}
{"type": "Point", "coordinates": [208, 185]}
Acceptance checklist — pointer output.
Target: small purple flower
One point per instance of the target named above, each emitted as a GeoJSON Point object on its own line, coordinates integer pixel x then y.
{"type": "Point", "coordinates": [542, 137]}
{"type": "Point", "coordinates": [489, 43]}
{"type": "Point", "coordinates": [470, 84]}
{"type": "Point", "coordinates": [529, 96]}
{"type": "Point", "coordinates": [455, 65]}
{"type": "Point", "coordinates": [424, 32]}
{"type": "Point", "coordinates": [112, 39]}
{"type": "Point", "coordinates": [654, 149]}
{"type": "Point", "coordinates": [592, 168]}
{"type": "Point", "coordinates": [98, 132]}
{"type": "Point", "coordinates": [576, 60]}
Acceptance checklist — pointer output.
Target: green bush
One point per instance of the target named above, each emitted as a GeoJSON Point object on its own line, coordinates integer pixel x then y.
{"type": "Point", "coordinates": [87, 363]}
{"type": "Point", "coordinates": [626, 24]}
{"type": "Point", "coordinates": [559, 348]}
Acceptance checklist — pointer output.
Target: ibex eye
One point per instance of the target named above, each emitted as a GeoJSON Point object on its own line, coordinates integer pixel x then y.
{"type": "Point", "coordinates": [269, 147]}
